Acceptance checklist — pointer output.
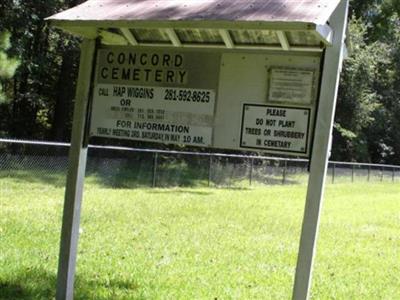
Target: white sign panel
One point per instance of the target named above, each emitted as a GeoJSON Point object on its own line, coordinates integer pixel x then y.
{"type": "Point", "coordinates": [195, 97]}
{"type": "Point", "coordinates": [278, 128]}
{"type": "Point", "coordinates": [291, 85]}
{"type": "Point", "coordinates": [155, 95]}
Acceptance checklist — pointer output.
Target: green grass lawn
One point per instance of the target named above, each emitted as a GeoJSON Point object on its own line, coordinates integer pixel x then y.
{"type": "Point", "coordinates": [200, 243]}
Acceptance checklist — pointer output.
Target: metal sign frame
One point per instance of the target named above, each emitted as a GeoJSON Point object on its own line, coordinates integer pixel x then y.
{"type": "Point", "coordinates": [320, 153]}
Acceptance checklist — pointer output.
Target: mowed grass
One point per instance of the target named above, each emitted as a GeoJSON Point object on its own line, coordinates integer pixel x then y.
{"type": "Point", "coordinates": [200, 243]}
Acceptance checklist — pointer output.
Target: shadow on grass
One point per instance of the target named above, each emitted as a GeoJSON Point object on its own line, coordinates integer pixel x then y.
{"type": "Point", "coordinates": [39, 284]}
{"type": "Point", "coordinates": [121, 178]}
{"type": "Point", "coordinates": [131, 177]}
{"type": "Point", "coordinates": [56, 179]}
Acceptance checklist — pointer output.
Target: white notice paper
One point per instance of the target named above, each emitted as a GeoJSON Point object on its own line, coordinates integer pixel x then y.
{"type": "Point", "coordinates": [291, 86]}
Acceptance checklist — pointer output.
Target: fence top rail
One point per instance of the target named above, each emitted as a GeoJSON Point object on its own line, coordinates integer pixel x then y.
{"type": "Point", "coordinates": [120, 148]}
{"type": "Point", "coordinates": [363, 164]}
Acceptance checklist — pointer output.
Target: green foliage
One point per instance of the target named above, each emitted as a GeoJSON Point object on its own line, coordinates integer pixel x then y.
{"type": "Point", "coordinates": [8, 65]}
{"type": "Point", "coordinates": [35, 88]}
{"type": "Point", "coordinates": [366, 123]}
{"type": "Point", "coordinates": [40, 93]}
{"type": "Point", "coordinates": [357, 98]}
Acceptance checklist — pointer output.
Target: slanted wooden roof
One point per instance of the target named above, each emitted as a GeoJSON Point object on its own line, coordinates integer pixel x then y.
{"type": "Point", "coordinates": [280, 24]}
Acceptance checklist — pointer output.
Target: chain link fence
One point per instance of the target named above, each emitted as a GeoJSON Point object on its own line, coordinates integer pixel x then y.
{"type": "Point", "coordinates": [120, 167]}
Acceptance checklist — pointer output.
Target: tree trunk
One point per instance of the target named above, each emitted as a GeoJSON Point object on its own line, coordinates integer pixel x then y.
{"type": "Point", "coordinates": [65, 94]}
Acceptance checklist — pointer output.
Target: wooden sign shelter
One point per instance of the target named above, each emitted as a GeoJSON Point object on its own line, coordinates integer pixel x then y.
{"type": "Point", "coordinates": [248, 75]}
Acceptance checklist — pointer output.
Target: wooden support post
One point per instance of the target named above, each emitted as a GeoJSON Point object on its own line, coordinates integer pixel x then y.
{"type": "Point", "coordinates": [75, 176]}
{"type": "Point", "coordinates": [283, 40]}
{"type": "Point", "coordinates": [129, 36]}
{"type": "Point", "coordinates": [173, 37]}
{"type": "Point", "coordinates": [226, 37]}
{"type": "Point", "coordinates": [319, 162]}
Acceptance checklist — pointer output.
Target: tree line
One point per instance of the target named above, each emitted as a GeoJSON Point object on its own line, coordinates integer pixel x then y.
{"type": "Point", "coordinates": [37, 101]}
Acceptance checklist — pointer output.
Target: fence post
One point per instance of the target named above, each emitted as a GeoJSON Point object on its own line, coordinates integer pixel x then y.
{"type": "Point", "coordinates": [231, 176]}
{"type": "Point", "coordinates": [155, 169]}
{"type": "Point", "coordinates": [333, 172]}
{"type": "Point", "coordinates": [369, 173]}
{"type": "Point", "coordinates": [352, 173]}
{"type": "Point", "coordinates": [209, 170]}
{"type": "Point", "coordinates": [382, 173]}
{"type": "Point", "coordinates": [284, 172]}
{"type": "Point", "coordinates": [251, 171]}
{"type": "Point", "coordinates": [393, 174]}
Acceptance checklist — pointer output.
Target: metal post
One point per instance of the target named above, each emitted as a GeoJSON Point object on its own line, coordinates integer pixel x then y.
{"type": "Point", "coordinates": [352, 173]}
{"type": "Point", "coordinates": [251, 171]}
{"type": "Point", "coordinates": [75, 176]}
{"type": "Point", "coordinates": [369, 173]}
{"type": "Point", "coordinates": [319, 162]}
{"type": "Point", "coordinates": [231, 176]}
{"type": "Point", "coordinates": [209, 170]}
{"type": "Point", "coordinates": [393, 174]}
{"type": "Point", "coordinates": [333, 172]}
{"type": "Point", "coordinates": [155, 169]}
{"type": "Point", "coordinates": [284, 172]}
